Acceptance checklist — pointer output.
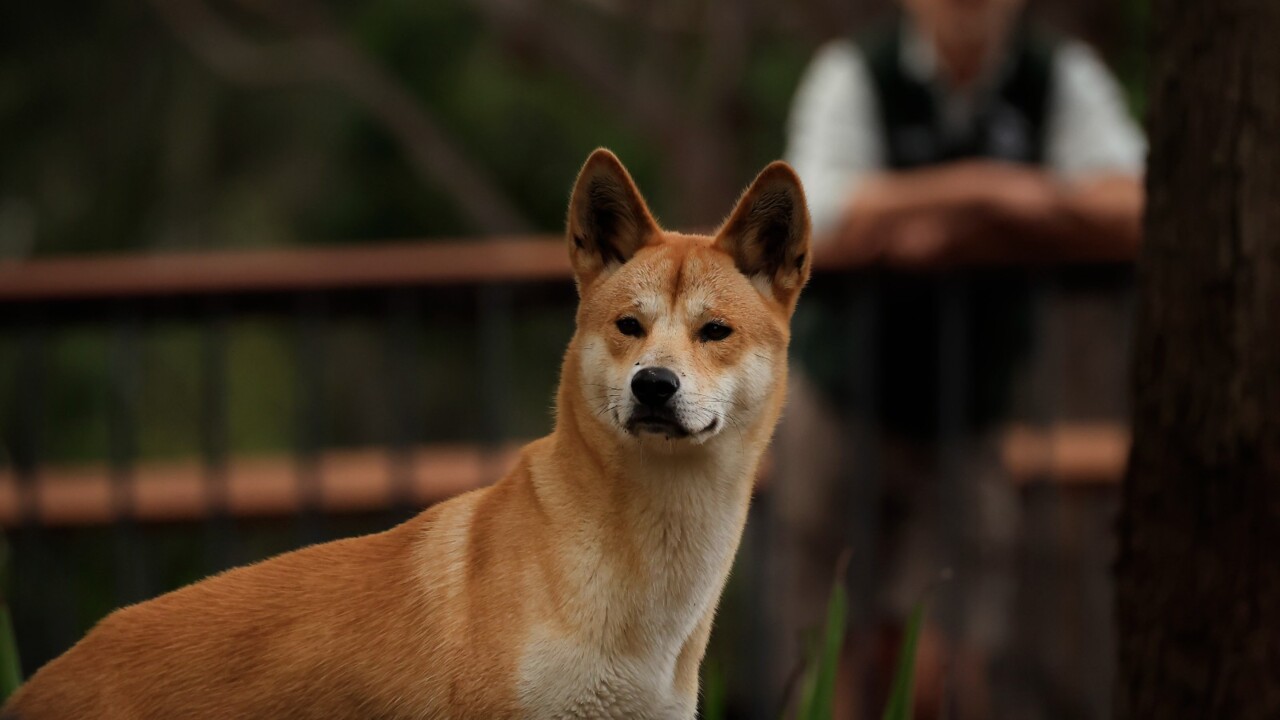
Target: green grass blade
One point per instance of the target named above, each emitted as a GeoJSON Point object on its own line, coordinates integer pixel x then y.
{"type": "Point", "coordinates": [820, 687]}
{"type": "Point", "coordinates": [10, 670]}
{"type": "Point", "coordinates": [902, 699]}
{"type": "Point", "coordinates": [713, 692]}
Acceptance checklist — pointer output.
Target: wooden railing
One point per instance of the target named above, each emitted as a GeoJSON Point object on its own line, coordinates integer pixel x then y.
{"type": "Point", "coordinates": [198, 274]}
{"type": "Point", "coordinates": [38, 292]}
{"type": "Point", "coordinates": [361, 481]}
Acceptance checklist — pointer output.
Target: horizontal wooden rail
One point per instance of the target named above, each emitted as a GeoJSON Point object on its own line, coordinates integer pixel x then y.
{"type": "Point", "coordinates": [439, 262]}
{"type": "Point", "coordinates": [248, 271]}
{"type": "Point", "coordinates": [1067, 453]}
{"type": "Point", "coordinates": [349, 481]}
{"type": "Point", "coordinates": [360, 480]}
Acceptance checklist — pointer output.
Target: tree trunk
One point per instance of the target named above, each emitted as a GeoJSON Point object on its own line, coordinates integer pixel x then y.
{"type": "Point", "coordinates": [1198, 593]}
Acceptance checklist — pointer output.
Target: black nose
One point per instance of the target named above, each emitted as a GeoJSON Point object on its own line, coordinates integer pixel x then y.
{"type": "Point", "coordinates": [654, 386]}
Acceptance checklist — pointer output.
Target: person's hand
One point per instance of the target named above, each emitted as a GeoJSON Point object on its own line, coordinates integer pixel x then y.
{"type": "Point", "coordinates": [921, 241]}
{"type": "Point", "coordinates": [915, 239]}
{"type": "Point", "coordinates": [941, 215]}
{"type": "Point", "coordinates": [1009, 191]}
{"type": "Point", "coordinates": [988, 198]}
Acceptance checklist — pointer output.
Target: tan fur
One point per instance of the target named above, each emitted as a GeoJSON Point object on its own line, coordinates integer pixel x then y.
{"type": "Point", "coordinates": [583, 584]}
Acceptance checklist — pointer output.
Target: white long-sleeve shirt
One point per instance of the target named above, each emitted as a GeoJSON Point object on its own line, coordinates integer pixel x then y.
{"type": "Point", "coordinates": [835, 138]}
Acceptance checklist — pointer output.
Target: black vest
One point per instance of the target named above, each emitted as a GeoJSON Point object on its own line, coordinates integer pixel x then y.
{"type": "Point", "coordinates": [1008, 126]}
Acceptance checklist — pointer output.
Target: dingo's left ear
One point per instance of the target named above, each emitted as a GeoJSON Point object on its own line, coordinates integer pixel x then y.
{"type": "Point", "coordinates": [768, 234]}
{"type": "Point", "coordinates": [608, 220]}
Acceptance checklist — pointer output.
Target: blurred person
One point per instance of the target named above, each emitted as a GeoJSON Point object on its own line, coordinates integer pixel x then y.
{"type": "Point", "coordinates": [961, 134]}
{"type": "Point", "coordinates": [957, 135]}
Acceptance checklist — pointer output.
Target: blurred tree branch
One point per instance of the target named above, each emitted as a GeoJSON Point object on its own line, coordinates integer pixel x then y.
{"type": "Point", "coordinates": [575, 50]}
{"type": "Point", "coordinates": [317, 53]}
{"type": "Point", "coordinates": [694, 119]}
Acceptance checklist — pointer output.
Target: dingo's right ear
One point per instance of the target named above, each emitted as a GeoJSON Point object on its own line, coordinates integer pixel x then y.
{"type": "Point", "coordinates": [608, 220]}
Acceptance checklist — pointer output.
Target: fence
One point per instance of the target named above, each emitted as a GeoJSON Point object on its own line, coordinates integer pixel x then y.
{"type": "Point", "coordinates": [412, 371]}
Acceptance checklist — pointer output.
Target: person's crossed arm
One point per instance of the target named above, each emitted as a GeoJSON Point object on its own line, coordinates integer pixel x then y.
{"type": "Point", "coordinates": [984, 211]}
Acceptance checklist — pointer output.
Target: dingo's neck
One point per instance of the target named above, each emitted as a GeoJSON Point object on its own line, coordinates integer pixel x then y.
{"type": "Point", "coordinates": [656, 531]}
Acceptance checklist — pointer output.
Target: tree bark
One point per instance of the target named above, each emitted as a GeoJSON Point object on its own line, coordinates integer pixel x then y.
{"type": "Point", "coordinates": [1198, 592]}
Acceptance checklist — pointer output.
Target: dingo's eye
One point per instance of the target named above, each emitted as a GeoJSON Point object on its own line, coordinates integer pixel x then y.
{"type": "Point", "coordinates": [630, 326]}
{"type": "Point", "coordinates": [714, 331]}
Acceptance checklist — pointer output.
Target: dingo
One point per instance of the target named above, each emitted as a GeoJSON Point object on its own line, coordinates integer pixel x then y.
{"type": "Point", "coordinates": [581, 585]}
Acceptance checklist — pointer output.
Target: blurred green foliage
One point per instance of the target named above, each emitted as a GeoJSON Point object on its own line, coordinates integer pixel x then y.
{"type": "Point", "coordinates": [817, 700]}
{"type": "Point", "coordinates": [713, 691]}
{"type": "Point", "coordinates": [116, 138]}
{"type": "Point", "coordinates": [901, 705]}
{"type": "Point", "coordinates": [10, 667]}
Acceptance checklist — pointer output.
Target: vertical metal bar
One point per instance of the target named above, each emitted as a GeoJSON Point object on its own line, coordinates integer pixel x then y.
{"type": "Point", "coordinates": [866, 475]}
{"type": "Point", "coordinates": [751, 569]}
{"type": "Point", "coordinates": [213, 437]}
{"type": "Point", "coordinates": [1037, 583]}
{"type": "Point", "coordinates": [953, 514]}
{"type": "Point", "coordinates": [403, 393]}
{"type": "Point", "coordinates": [34, 579]}
{"type": "Point", "coordinates": [124, 390]}
{"type": "Point", "coordinates": [495, 370]}
{"type": "Point", "coordinates": [28, 419]}
{"type": "Point", "coordinates": [1128, 304]}
{"type": "Point", "coordinates": [1051, 352]}
{"type": "Point", "coordinates": [1052, 586]}
{"type": "Point", "coordinates": [309, 418]}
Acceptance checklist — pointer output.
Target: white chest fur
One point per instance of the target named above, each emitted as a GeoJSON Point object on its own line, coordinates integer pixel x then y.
{"type": "Point", "coordinates": [620, 658]}
{"type": "Point", "coordinates": [562, 678]}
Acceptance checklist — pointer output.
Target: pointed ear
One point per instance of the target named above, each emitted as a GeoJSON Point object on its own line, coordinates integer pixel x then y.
{"type": "Point", "coordinates": [767, 235]}
{"type": "Point", "coordinates": [608, 220]}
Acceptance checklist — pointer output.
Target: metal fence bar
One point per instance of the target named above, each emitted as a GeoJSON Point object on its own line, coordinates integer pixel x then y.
{"type": "Point", "coordinates": [1037, 586]}
{"type": "Point", "coordinates": [30, 560]}
{"type": "Point", "coordinates": [310, 312]}
{"type": "Point", "coordinates": [496, 347]}
{"type": "Point", "coordinates": [219, 553]}
{"type": "Point", "coordinates": [122, 438]}
{"type": "Point", "coordinates": [757, 668]}
{"type": "Point", "coordinates": [28, 415]}
{"type": "Point", "coordinates": [403, 395]}
{"type": "Point", "coordinates": [954, 515]}
{"type": "Point", "coordinates": [866, 479]}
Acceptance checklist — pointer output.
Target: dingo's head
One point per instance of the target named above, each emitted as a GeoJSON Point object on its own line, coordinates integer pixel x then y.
{"type": "Point", "coordinates": [682, 338]}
